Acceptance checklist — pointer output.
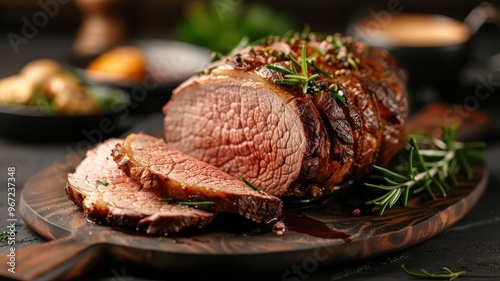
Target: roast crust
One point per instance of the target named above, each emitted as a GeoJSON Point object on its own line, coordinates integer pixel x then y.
{"type": "Point", "coordinates": [341, 140]}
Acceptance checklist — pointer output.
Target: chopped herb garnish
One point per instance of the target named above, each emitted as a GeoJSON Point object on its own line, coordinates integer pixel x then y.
{"type": "Point", "coordinates": [352, 62]}
{"type": "Point", "coordinates": [251, 185]}
{"type": "Point", "coordinates": [424, 274]}
{"type": "Point", "coordinates": [430, 163]}
{"type": "Point", "coordinates": [386, 73]}
{"type": "Point", "coordinates": [101, 181]}
{"type": "Point", "coordinates": [337, 42]}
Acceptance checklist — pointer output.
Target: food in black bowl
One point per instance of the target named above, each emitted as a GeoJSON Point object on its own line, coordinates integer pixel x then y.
{"type": "Point", "coordinates": [44, 102]}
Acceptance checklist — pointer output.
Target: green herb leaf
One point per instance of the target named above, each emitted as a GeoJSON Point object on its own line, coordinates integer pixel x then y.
{"type": "Point", "coordinates": [303, 61]}
{"type": "Point", "coordinates": [194, 203]}
{"type": "Point", "coordinates": [352, 62]}
{"type": "Point", "coordinates": [319, 69]}
{"type": "Point", "coordinates": [103, 182]}
{"type": "Point", "coordinates": [5, 236]}
{"type": "Point", "coordinates": [339, 98]}
{"type": "Point", "coordinates": [186, 203]}
{"type": "Point", "coordinates": [279, 69]}
{"type": "Point", "coordinates": [251, 186]}
{"type": "Point", "coordinates": [424, 274]}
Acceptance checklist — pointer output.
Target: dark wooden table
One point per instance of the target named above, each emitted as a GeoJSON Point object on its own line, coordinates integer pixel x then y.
{"type": "Point", "coordinates": [472, 244]}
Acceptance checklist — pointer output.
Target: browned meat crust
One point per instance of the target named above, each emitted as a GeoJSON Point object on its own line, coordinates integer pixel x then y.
{"type": "Point", "coordinates": [236, 116]}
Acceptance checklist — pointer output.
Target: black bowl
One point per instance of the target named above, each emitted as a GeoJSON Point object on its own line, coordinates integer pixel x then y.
{"type": "Point", "coordinates": [432, 64]}
{"type": "Point", "coordinates": [31, 123]}
{"type": "Point", "coordinates": [169, 63]}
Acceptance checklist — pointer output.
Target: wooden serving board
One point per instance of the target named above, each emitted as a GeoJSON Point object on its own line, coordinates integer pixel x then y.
{"type": "Point", "coordinates": [331, 235]}
{"type": "Point", "coordinates": [323, 234]}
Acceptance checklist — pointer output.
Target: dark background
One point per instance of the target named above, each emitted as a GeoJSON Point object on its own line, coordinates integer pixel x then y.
{"type": "Point", "coordinates": [157, 17]}
{"type": "Point", "coordinates": [165, 19]}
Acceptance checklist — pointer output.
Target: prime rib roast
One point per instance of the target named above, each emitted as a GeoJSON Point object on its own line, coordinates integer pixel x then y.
{"type": "Point", "coordinates": [251, 116]}
{"type": "Point", "coordinates": [293, 115]}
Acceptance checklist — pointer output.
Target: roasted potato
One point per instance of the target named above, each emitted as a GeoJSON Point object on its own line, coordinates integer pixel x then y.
{"type": "Point", "coordinates": [39, 70]}
{"type": "Point", "coordinates": [69, 95]}
{"type": "Point", "coordinates": [17, 89]}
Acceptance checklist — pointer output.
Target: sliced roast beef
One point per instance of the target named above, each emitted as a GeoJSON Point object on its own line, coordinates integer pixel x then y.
{"type": "Point", "coordinates": [107, 195]}
{"type": "Point", "coordinates": [177, 176]}
{"type": "Point", "coordinates": [257, 114]}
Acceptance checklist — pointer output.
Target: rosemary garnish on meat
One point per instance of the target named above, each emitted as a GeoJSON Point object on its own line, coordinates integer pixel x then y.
{"type": "Point", "coordinates": [293, 77]}
{"type": "Point", "coordinates": [186, 203]}
{"type": "Point", "coordinates": [450, 275]}
{"type": "Point", "coordinates": [430, 164]}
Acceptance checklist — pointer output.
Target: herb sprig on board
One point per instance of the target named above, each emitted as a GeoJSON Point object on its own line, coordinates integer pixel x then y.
{"type": "Point", "coordinates": [6, 236]}
{"type": "Point", "coordinates": [424, 274]}
{"type": "Point", "coordinates": [430, 165]}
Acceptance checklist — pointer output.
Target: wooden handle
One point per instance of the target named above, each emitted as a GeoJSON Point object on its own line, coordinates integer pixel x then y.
{"type": "Point", "coordinates": [61, 259]}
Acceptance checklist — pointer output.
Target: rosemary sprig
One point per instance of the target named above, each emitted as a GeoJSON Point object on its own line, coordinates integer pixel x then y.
{"type": "Point", "coordinates": [431, 163]}
{"type": "Point", "coordinates": [450, 275]}
{"type": "Point", "coordinates": [186, 203]}
{"type": "Point", "coordinates": [292, 77]}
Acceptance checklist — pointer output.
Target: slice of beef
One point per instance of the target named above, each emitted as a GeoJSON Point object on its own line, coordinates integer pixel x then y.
{"type": "Point", "coordinates": [175, 175]}
{"type": "Point", "coordinates": [242, 117]}
{"type": "Point", "coordinates": [107, 195]}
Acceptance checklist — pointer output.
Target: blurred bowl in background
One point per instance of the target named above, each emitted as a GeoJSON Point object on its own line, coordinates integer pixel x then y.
{"type": "Point", "coordinates": [432, 48]}
{"type": "Point", "coordinates": [31, 123]}
{"type": "Point", "coordinates": [167, 63]}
